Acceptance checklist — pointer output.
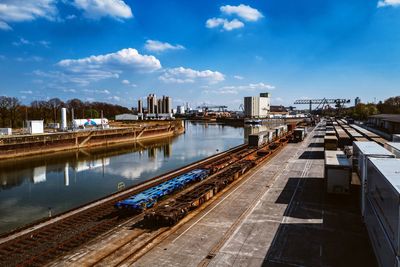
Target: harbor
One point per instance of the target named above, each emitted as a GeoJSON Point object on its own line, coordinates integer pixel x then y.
{"type": "Point", "coordinates": [199, 133]}
{"type": "Point", "coordinates": [261, 216]}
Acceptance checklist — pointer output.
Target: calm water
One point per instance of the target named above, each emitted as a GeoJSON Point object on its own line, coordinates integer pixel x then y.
{"type": "Point", "coordinates": [30, 188]}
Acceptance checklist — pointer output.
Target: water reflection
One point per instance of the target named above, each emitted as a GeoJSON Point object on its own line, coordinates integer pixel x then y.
{"type": "Point", "coordinates": [15, 172]}
{"type": "Point", "coordinates": [29, 188]}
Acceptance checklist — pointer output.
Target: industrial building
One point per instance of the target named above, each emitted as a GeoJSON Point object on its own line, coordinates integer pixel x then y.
{"type": "Point", "coordinates": [357, 101]}
{"type": "Point", "coordinates": [140, 106]}
{"type": "Point", "coordinates": [390, 123]}
{"type": "Point", "coordinates": [257, 106]}
{"type": "Point", "coordinates": [278, 110]}
{"type": "Point", "coordinates": [151, 103]}
{"type": "Point", "coordinates": [180, 110]}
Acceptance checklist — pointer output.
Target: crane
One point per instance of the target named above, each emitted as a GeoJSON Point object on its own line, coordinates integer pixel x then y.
{"type": "Point", "coordinates": [325, 101]}
{"type": "Point", "coordinates": [205, 107]}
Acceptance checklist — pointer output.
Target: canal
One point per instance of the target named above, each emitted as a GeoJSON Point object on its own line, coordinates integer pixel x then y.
{"type": "Point", "coordinates": [32, 188]}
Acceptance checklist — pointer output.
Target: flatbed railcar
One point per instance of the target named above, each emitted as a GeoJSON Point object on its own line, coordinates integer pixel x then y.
{"type": "Point", "coordinates": [149, 197]}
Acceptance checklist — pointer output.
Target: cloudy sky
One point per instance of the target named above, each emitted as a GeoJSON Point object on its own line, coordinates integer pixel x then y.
{"type": "Point", "coordinates": [204, 51]}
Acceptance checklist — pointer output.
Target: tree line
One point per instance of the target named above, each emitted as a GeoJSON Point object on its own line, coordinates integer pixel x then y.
{"type": "Point", "coordinates": [13, 113]}
{"type": "Point", "coordinates": [363, 111]}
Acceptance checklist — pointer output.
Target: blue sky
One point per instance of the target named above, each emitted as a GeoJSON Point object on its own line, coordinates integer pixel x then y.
{"type": "Point", "coordinates": [199, 51]}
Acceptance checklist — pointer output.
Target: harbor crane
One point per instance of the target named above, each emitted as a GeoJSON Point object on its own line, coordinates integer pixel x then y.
{"type": "Point", "coordinates": [322, 102]}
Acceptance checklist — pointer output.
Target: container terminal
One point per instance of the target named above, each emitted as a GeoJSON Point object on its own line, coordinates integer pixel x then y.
{"type": "Point", "coordinates": [294, 195]}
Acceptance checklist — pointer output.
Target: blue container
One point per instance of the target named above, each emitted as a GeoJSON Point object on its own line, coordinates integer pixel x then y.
{"type": "Point", "coordinates": [149, 197]}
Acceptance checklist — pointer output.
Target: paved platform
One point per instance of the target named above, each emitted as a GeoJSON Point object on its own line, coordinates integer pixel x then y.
{"type": "Point", "coordinates": [280, 216]}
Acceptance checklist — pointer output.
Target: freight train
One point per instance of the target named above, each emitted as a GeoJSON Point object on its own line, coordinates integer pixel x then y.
{"type": "Point", "coordinates": [220, 173]}
{"type": "Point", "coordinates": [149, 197]}
{"type": "Point", "coordinates": [265, 137]}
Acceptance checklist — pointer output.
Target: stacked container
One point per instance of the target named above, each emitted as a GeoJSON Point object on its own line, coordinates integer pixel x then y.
{"type": "Point", "coordinates": [337, 172]}
{"type": "Point", "coordinates": [394, 148]}
{"type": "Point", "coordinates": [361, 152]}
{"type": "Point", "coordinates": [382, 214]}
{"type": "Point", "coordinates": [330, 142]}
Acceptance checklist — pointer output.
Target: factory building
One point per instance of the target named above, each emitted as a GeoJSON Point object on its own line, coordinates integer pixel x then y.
{"type": "Point", "coordinates": [151, 103]}
{"type": "Point", "coordinates": [140, 106]}
{"type": "Point", "coordinates": [167, 104]}
{"type": "Point", "coordinates": [257, 106]}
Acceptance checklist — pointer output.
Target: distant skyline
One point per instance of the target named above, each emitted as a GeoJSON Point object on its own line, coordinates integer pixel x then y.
{"type": "Point", "coordinates": [213, 52]}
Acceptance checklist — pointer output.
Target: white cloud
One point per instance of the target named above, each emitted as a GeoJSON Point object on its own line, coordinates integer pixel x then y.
{"type": "Point", "coordinates": [26, 10]}
{"type": "Point", "coordinates": [243, 11]}
{"type": "Point", "coordinates": [125, 82]}
{"type": "Point", "coordinates": [45, 43]}
{"type": "Point", "coordinates": [69, 17]}
{"type": "Point", "coordinates": [96, 9]}
{"type": "Point", "coordinates": [238, 77]}
{"type": "Point", "coordinates": [384, 3]}
{"type": "Point", "coordinates": [29, 92]}
{"type": "Point", "coordinates": [115, 98]}
{"type": "Point", "coordinates": [226, 24]}
{"type": "Point", "coordinates": [106, 92]}
{"type": "Point", "coordinates": [95, 68]}
{"type": "Point", "coordinates": [241, 88]}
{"type": "Point", "coordinates": [157, 46]}
{"type": "Point", "coordinates": [4, 26]}
{"type": "Point", "coordinates": [29, 59]}
{"type": "Point", "coordinates": [67, 90]}
{"type": "Point", "coordinates": [22, 41]}
{"type": "Point", "coordinates": [187, 75]}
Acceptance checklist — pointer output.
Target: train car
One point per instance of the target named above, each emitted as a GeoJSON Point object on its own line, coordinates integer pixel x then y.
{"type": "Point", "coordinates": [149, 197]}
{"type": "Point", "coordinates": [299, 134]}
{"type": "Point", "coordinates": [261, 138]}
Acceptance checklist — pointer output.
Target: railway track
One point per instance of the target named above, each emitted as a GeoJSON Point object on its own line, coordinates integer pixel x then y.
{"type": "Point", "coordinates": [46, 243]}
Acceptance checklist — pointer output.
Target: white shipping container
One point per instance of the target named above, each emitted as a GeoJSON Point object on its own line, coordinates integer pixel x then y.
{"type": "Point", "coordinates": [384, 193]}
{"type": "Point", "coordinates": [337, 172]}
{"type": "Point", "coordinates": [381, 245]}
{"type": "Point", "coordinates": [361, 152]}
{"type": "Point", "coordinates": [5, 131]}
{"type": "Point", "coordinates": [35, 127]}
{"type": "Point", "coordinates": [394, 148]}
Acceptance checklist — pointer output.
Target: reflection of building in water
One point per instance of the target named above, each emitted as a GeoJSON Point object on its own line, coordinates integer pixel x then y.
{"type": "Point", "coordinates": [39, 174]}
{"type": "Point", "coordinates": [66, 174]}
{"type": "Point", "coordinates": [91, 164]}
{"type": "Point", "coordinates": [152, 152]}
{"type": "Point", "coordinates": [167, 150]}
{"type": "Point", "coordinates": [9, 179]}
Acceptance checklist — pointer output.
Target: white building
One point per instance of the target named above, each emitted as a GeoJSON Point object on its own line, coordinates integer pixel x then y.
{"type": "Point", "coordinates": [35, 127]}
{"type": "Point", "coordinates": [257, 106]}
{"type": "Point", "coordinates": [180, 110]}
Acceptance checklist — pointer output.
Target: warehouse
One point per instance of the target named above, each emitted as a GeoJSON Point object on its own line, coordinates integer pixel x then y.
{"type": "Point", "coordinates": [389, 123]}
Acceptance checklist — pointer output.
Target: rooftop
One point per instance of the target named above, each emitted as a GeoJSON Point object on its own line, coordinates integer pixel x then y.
{"type": "Point", "coordinates": [387, 117]}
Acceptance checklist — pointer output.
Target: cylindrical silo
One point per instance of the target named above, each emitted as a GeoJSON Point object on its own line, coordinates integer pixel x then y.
{"type": "Point", "coordinates": [64, 125]}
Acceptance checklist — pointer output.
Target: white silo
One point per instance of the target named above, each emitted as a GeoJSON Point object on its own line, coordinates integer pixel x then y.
{"type": "Point", "coordinates": [64, 125]}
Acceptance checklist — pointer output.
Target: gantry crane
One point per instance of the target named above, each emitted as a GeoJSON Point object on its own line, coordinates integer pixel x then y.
{"type": "Point", "coordinates": [325, 101]}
